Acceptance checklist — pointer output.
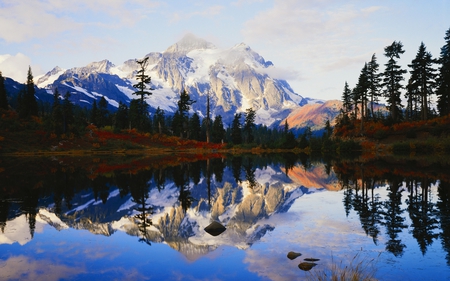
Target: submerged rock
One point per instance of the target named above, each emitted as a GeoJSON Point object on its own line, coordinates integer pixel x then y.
{"type": "Point", "coordinates": [311, 259]}
{"type": "Point", "coordinates": [292, 255]}
{"type": "Point", "coordinates": [306, 266]}
{"type": "Point", "coordinates": [215, 228]}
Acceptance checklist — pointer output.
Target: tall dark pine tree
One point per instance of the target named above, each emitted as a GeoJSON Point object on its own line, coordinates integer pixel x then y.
{"type": "Point", "coordinates": [360, 92]}
{"type": "Point", "coordinates": [121, 117]}
{"type": "Point", "coordinates": [236, 134]}
{"type": "Point", "coordinates": [346, 99]}
{"type": "Point", "coordinates": [218, 132]}
{"type": "Point", "coordinates": [158, 120]}
{"type": "Point", "coordinates": [422, 80]}
{"type": "Point", "coordinates": [184, 105]}
{"type": "Point", "coordinates": [27, 104]}
{"type": "Point", "coordinates": [443, 81]}
{"type": "Point", "coordinates": [57, 114]}
{"type": "Point", "coordinates": [141, 86]}
{"type": "Point", "coordinates": [393, 75]}
{"type": "Point", "coordinates": [103, 113]}
{"type": "Point", "coordinates": [67, 112]}
{"type": "Point", "coordinates": [374, 82]}
{"type": "Point", "coordinates": [249, 123]}
{"type": "Point", "coordinates": [3, 96]}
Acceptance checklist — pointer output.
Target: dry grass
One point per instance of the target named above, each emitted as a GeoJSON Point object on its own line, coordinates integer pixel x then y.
{"type": "Point", "coordinates": [357, 269]}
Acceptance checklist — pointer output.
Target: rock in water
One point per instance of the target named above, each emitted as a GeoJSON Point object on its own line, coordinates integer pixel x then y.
{"type": "Point", "coordinates": [293, 255]}
{"type": "Point", "coordinates": [311, 259]}
{"type": "Point", "coordinates": [215, 228]}
{"type": "Point", "coordinates": [306, 266]}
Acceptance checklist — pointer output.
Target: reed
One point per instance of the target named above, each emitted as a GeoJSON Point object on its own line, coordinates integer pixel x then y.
{"type": "Point", "coordinates": [357, 269]}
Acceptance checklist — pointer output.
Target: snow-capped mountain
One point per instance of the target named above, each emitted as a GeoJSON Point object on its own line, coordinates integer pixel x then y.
{"type": "Point", "coordinates": [236, 79]}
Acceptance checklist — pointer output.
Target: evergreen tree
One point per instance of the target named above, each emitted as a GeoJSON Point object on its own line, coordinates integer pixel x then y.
{"type": "Point", "coordinates": [443, 82]}
{"type": "Point", "coordinates": [236, 134]}
{"type": "Point", "coordinates": [103, 113]}
{"type": "Point", "coordinates": [27, 104]}
{"type": "Point", "coordinates": [422, 80]}
{"type": "Point", "coordinates": [121, 120]}
{"type": "Point", "coordinates": [67, 112]}
{"type": "Point", "coordinates": [57, 115]}
{"type": "Point", "coordinates": [218, 131]}
{"type": "Point", "coordinates": [159, 120]}
{"type": "Point", "coordinates": [3, 96]}
{"type": "Point", "coordinates": [249, 124]}
{"type": "Point", "coordinates": [141, 121]}
{"type": "Point", "coordinates": [374, 82]}
{"type": "Point", "coordinates": [94, 114]}
{"type": "Point", "coordinates": [194, 127]}
{"type": "Point", "coordinates": [346, 99]}
{"type": "Point", "coordinates": [393, 75]}
{"type": "Point", "coordinates": [184, 105]}
{"type": "Point", "coordinates": [360, 92]}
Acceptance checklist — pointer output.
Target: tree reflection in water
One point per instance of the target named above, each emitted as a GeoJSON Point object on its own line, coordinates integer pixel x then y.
{"type": "Point", "coordinates": [360, 182]}
{"type": "Point", "coordinates": [409, 202]}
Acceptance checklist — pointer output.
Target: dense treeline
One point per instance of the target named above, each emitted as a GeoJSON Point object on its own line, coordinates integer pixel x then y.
{"type": "Point", "coordinates": [61, 119]}
{"type": "Point", "coordinates": [429, 80]}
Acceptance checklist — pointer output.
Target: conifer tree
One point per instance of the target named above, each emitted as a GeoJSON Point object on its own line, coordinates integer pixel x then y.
{"type": "Point", "coordinates": [422, 80]}
{"type": "Point", "coordinates": [236, 134]}
{"type": "Point", "coordinates": [218, 132]}
{"type": "Point", "coordinates": [443, 81]}
{"type": "Point", "coordinates": [3, 96]}
{"type": "Point", "coordinates": [184, 105]}
{"type": "Point", "coordinates": [27, 104]}
{"type": "Point", "coordinates": [346, 99]}
{"type": "Point", "coordinates": [249, 123]}
{"type": "Point", "coordinates": [67, 112]}
{"type": "Point", "coordinates": [121, 120]}
{"type": "Point", "coordinates": [57, 115]}
{"type": "Point", "coordinates": [94, 114]}
{"type": "Point", "coordinates": [159, 120]}
{"type": "Point", "coordinates": [393, 75]}
{"type": "Point", "coordinates": [374, 82]}
{"type": "Point", "coordinates": [142, 121]}
{"type": "Point", "coordinates": [103, 113]}
{"type": "Point", "coordinates": [194, 127]}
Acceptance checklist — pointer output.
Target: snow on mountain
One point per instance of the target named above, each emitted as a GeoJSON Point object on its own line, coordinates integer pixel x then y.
{"type": "Point", "coordinates": [236, 79]}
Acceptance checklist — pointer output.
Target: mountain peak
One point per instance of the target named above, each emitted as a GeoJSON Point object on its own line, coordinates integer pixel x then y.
{"type": "Point", "coordinates": [189, 43]}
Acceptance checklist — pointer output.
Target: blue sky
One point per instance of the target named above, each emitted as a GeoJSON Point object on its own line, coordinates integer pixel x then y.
{"type": "Point", "coordinates": [316, 44]}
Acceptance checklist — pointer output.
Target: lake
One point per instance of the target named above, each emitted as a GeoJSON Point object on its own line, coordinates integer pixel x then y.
{"type": "Point", "coordinates": [137, 218]}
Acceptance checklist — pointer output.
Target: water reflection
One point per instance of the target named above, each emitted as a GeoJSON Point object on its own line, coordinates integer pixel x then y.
{"type": "Point", "coordinates": [170, 201]}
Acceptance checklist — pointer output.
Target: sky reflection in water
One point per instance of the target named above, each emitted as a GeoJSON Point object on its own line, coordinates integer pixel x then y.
{"type": "Point", "coordinates": [303, 218]}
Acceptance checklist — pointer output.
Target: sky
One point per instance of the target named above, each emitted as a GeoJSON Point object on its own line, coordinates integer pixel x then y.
{"type": "Point", "coordinates": [317, 45]}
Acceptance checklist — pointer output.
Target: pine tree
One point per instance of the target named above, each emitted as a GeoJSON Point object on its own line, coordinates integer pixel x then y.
{"type": "Point", "coordinates": [443, 81]}
{"type": "Point", "coordinates": [3, 96]}
{"type": "Point", "coordinates": [67, 112]}
{"type": "Point", "coordinates": [121, 120]}
{"type": "Point", "coordinates": [142, 121]}
{"type": "Point", "coordinates": [57, 115]}
{"type": "Point", "coordinates": [184, 105]}
{"type": "Point", "coordinates": [393, 75]}
{"type": "Point", "coordinates": [374, 82]}
{"type": "Point", "coordinates": [103, 113]}
{"type": "Point", "coordinates": [347, 99]}
{"type": "Point", "coordinates": [249, 123]}
{"type": "Point", "coordinates": [27, 105]}
{"type": "Point", "coordinates": [236, 134]}
{"type": "Point", "coordinates": [194, 127]}
{"type": "Point", "coordinates": [94, 114]}
{"type": "Point", "coordinates": [218, 132]}
{"type": "Point", "coordinates": [422, 80]}
{"type": "Point", "coordinates": [159, 120]}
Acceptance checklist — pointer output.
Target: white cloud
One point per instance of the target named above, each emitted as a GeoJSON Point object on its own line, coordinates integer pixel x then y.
{"type": "Point", "coordinates": [320, 34]}
{"type": "Point", "coordinates": [24, 20]}
{"type": "Point", "coordinates": [16, 67]}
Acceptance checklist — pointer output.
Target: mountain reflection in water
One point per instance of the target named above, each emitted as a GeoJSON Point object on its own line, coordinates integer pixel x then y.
{"type": "Point", "coordinates": [269, 205]}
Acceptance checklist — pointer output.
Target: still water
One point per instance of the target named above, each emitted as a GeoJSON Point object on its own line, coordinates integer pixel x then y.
{"type": "Point", "coordinates": [124, 218]}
